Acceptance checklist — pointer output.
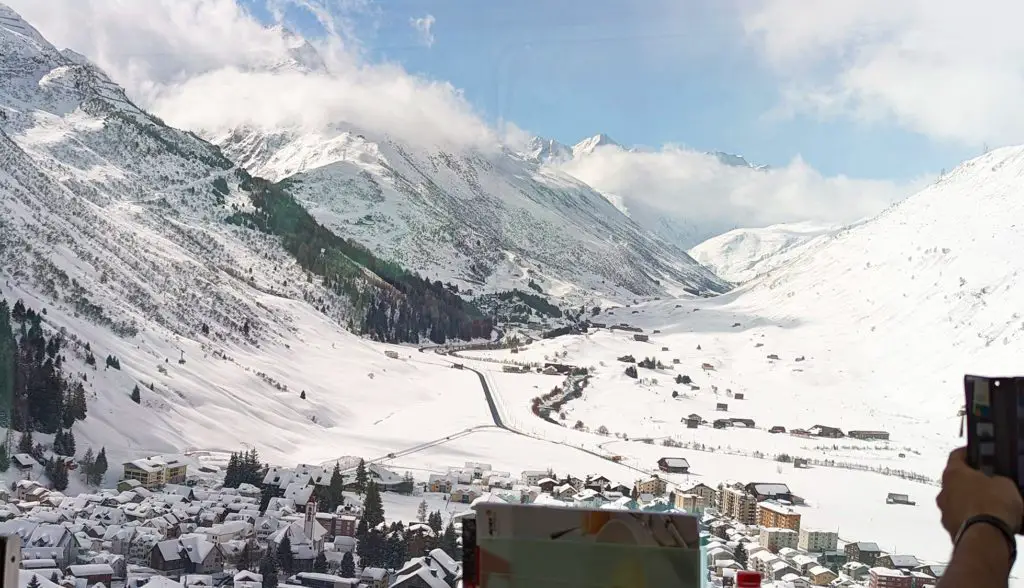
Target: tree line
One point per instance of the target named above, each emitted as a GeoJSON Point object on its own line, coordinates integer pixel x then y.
{"type": "Point", "coordinates": [402, 308]}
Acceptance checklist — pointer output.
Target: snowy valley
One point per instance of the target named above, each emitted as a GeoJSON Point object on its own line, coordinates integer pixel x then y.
{"type": "Point", "coordinates": [322, 315]}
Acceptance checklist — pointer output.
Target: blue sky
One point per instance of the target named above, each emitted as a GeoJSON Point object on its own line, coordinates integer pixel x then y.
{"type": "Point", "coordinates": [645, 72]}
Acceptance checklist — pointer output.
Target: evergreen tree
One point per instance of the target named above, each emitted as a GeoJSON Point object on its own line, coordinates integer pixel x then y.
{"type": "Point", "coordinates": [78, 407]}
{"type": "Point", "coordinates": [302, 395]}
{"type": "Point", "coordinates": [373, 508]}
{"type": "Point", "coordinates": [231, 474]}
{"type": "Point", "coordinates": [34, 581]}
{"type": "Point", "coordinates": [69, 443]}
{"type": "Point", "coordinates": [25, 443]}
{"type": "Point", "coordinates": [421, 512]}
{"type": "Point", "coordinates": [268, 569]}
{"type": "Point", "coordinates": [320, 563]}
{"type": "Point", "coordinates": [246, 556]}
{"type": "Point", "coordinates": [90, 359]}
{"type": "Point", "coordinates": [100, 467]}
{"type": "Point", "coordinates": [8, 353]}
{"type": "Point", "coordinates": [136, 395]}
{"type": "Point", "coordinates": [285, 558]}
{"type": "Point", "coordinates": [449, 542]}
{"type": "Point", "coordinates": [394, 552]}
{"type": "Point", "coordinates": [361, 476]}
{"type": "Point", "coordinates": [58, 442]}
{"type": "Point", "coordinates": [336, 489]}
{"type": "Point", "coordinates": [5, 458]}
{"type": "Point", "coordinates": [435, 522]}
{"type": "Point", "coordinates": [372, 551]}
{"type": "Point", "coordinates": [740, 555]}
{"type": "Point", "coordinates": [348, 565]}
{"type": "Point", "coordinates": [57, 471]}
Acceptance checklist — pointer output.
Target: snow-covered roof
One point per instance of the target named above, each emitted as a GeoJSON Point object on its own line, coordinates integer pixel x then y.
{"type": "Point", "coordinates": [24, 460]}
{"type": "Point", "coordinates": [425, 575]}
{"type": "Point", "coordinates": [771, 489]}
{"type": "Point", "coordinates": [887, 572]}
{"type": "Point", "coordinates": [818, 570]}
{"type": "Point", "coordinates": [904, 561]}
{"type": "Point", "coordinates": [676, 462]}
{"type": "Point", "coordinates": [96, 569]}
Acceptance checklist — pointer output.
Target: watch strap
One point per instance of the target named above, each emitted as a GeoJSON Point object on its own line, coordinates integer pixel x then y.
{"type": "Point", "coordinates": [998, 523]}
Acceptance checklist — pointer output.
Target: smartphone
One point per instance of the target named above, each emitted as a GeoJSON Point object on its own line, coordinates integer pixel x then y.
{"type": "Point", "coordinates": [995, 423]}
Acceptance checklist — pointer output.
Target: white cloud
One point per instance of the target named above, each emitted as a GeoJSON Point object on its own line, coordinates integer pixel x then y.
{"type": "Point", "coordinates": [696, 190]}
{"type": "Point", "coordinates": [210, 65]}
{"type": "Point", "coordinates": [424, 27]}
{"type": "Point", "coordinates": [943, 68]}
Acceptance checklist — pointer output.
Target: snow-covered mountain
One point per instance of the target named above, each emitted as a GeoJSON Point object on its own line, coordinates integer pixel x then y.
{"type": "Point", "coordinates": [741, 255]}
{"type": "Point", "coordinates": [221, 298]}
{"type": "Point", "coordinates": [736, 160]}
{"type": "Point", "coordinates": [588, 145]}
{"type": "Point", "coordinates": [482, 220]}
{"type": "Point", "coordinates": [548, 151]}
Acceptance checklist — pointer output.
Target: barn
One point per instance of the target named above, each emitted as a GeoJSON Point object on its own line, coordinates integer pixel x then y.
{"type": "Point", "coordinates": [674, 465]}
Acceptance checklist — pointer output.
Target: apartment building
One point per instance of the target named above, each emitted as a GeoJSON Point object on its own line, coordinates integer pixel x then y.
{"type": "Point", "coordinates": [887, 578]}
{"type": "Point", "coordinates": [738, 504]}
{"type": "Point", "coordinates": [773, 514]}
{"type": "Point", "coordinates": [773, 538]}
{"type": "Point", "coordinates": [816, 541]}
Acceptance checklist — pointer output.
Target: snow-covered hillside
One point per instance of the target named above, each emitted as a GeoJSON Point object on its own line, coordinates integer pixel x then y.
{"type": "Point", "coordinates": [113, 225]}
{"type": "Point", "coordinates": [483, 220]}
{"type": "Point", "coordinates": [741, 255]}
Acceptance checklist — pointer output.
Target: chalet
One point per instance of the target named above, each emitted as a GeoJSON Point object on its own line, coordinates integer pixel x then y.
{"type": "Point", "coordinates": [547, 484]}
{"type": "Point", "coordinates": [869, 435]}
{"type": "Point", "coordinates": [640, 337]}
{"type": "Point", "coordinates": [598, 483]}
{"type": "Point", "coordinates": [93, 573]}
{"type": "Point", "coordinates": [675, 361]}
{"type": "Point", "coordinates": [465, 494]}
{"type": "Point", "coordinates": [693, 421]}
{"type": "Point", "coordinates": [674, 465]}
{"type": "Point", "coordinates": [894, 498]}
{"type": "Point", "coordinates": [721, 423]}
{"type": "Point", "coordinates": [826, 431]}
{"type": "Point", "coordinates": [799, 462]}
{"type": "Point", "coordinates": [706, 493]}
{"type": "Point", "coordinates": [800, 433]}
{"type": "Point", "coordinates": [777, 429]}
{"type": "Point", "coordinates": [748, 423]}
{"type": "Point", "coordinates": [862, 551]}
{"type": "Point", "coordinates": [738, 396]}
{"type": "Point", "coordinates": [23, 461]}
{"type": "Point", "coordinates": [247, 579]}
{"type": "Point", "coordinates": [722, 407]}
{"type": "Point", "coordinates": [769, 491]}
{"type": "Point", "coordinates": [707, 367]}
{"type": "Point", "coordinates": [374, 577]}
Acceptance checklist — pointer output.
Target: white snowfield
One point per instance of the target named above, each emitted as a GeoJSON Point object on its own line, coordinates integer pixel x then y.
{"type": "Point", "coordinates": [741, 255]}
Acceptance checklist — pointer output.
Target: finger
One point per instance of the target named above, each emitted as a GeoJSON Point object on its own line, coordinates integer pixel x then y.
{"type": "Point", "coordinates": [957, 457]}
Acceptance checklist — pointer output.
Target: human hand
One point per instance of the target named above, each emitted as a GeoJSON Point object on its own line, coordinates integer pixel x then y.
{"type": "Point", "coordinates": [967, 492]}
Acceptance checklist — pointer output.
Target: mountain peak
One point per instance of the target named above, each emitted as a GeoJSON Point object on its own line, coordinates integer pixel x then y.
{"type": "Point", "coordinates": [546, 150]}
{"type": "Point", "coordinates": [12, 21]}
{"type": "Point", "coordinates": [588, 145]}
{"type": "Point", "coordinates": [733, 160]}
